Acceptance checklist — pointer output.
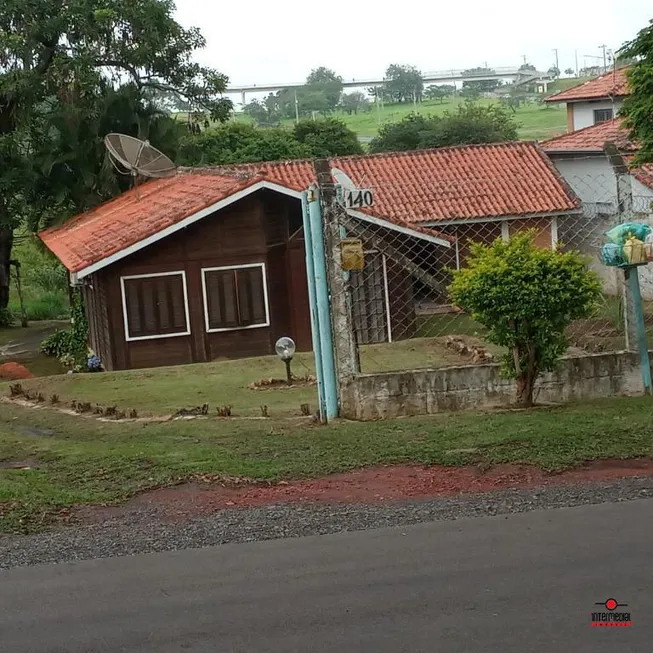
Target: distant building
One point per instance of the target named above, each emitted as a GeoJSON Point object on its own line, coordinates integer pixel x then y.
{"type": "Point", "coordinates": [598, 100]}
{"type": "Point", "coordinates": [581, 159]}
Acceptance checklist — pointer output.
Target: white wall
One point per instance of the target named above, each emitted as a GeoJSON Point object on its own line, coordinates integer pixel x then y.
{"type": "Point", "coordinates": [584, 111]}
{"type": "Point", "coordinates": [591, 178]}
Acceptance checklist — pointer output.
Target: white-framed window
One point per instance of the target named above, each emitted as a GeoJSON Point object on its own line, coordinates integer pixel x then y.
{"type": "Point", "coordinates": [235, 297]}
{"type": "Point", "coordinates": [602, 115]}
{"type": "Point", "coordinates": [155, 305]}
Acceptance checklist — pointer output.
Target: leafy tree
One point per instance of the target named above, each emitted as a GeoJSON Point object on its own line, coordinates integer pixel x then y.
{"type": "Point", "coordinates": [569, 71]}
{"type": "Point", "coordinates": [328, 83]}
{"type": "Point", "coordinates": [58, 59]}
{"type": "Point", "coordinates": [302, 100]}
{"type": "Point", "coordinates": [638, 105]}
{"type": "Point", "coordinates": [355, 102]}
{"type": "Point", "coordinates": [555, 72]}
{"type": "Point", "coordinates": [439, 91]}
{"type": "Point", "coordinates": [265, 112]}
{"type": "Point", "coordinates": [526, 297]}
{"type": "Point", "coordinates": [406, 134]}
{"type": "Point", "coordinates": [468, 124]}
{"type": "Point", "coordinates": [515, 98]}
{"type": "Point", "coordinates": [328, 137]}
{"type": "Point", "coordinates": [591, 71]}
{"type": "Point", "coordinates": [471, 92]}
{"type": "Point", "coordinates": [314, 100]}
{"type": "Point", "coordinates": [480, 85]}
{"type": "Point", "coordinates": [403, 83]}
{"type": "Point", "coordinates": [237, 142]}
{"type": "Point", "coordinates": [527, 68]}
{"type": "Point", "coordinates": [69, 165]}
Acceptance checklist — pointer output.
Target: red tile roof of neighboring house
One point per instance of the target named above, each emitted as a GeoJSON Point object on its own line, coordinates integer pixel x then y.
{"type": "Point", "coordinates": [612, 84]}
{"type": "Point", "coordinates": [592, 139]}
{"type": "Point", "coordinates": [644, 174]}
{"type": "Point", "coordinates": [472, 182]}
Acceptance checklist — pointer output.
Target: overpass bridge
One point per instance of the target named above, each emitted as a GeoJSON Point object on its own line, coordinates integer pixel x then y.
{"type": "Point", "coordinates": [439, 76]}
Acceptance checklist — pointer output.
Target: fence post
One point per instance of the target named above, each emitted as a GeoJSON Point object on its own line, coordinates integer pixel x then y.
{"type": "Point", "coordinates": [343, 324]}
{"type": "Point", "coordinates": [632, 277]}
{"type": "Point", "coordinates": [312, 301]}
{"type": "Point", "coordinates": [624, 213]}
{"type": "Point", "coordinates": [322, 312]}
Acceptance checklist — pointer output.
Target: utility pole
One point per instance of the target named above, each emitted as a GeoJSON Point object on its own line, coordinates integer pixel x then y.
{"type": "Point", "coordinates": [576, 57]}
{"type": "Point", "coordinates": [524, 58]}
{"type": "Point", "coordinates": [378, 105]}
{"type": "Point", "coordinates": [605, 61]}
{"type": "Point", "coordinates": [296, 108]}
{"type": "Point", "coordinates": [555, 51]}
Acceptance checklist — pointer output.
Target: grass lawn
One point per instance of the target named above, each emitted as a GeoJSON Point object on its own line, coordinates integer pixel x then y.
{"type": "Point", "coordinates": [165, 390]}
{"type": "Point", "coordinates": [536, 122]}
{"type": "Point", "coordinates": [76, 460]}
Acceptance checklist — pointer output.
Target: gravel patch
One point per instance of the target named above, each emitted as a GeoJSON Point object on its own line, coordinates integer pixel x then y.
{"type": "Point", "coordinates": [143, 532]}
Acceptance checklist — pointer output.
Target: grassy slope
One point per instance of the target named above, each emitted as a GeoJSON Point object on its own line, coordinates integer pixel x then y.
{"type": "Point", "coordinates": [535, 121]}
{"type": "Point", "coordinates": [80, 460]}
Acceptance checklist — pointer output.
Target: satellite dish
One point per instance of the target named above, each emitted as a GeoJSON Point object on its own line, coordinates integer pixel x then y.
{"type": "Point", "coordinates": [137, 157]}
{"type": "Point", "coordinates": [343, 179]}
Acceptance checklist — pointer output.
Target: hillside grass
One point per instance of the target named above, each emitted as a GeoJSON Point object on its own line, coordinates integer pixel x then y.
{"type": "Point", "coordinates": [535, 121]}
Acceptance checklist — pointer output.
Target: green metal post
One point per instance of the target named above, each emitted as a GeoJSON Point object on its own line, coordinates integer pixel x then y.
{"type": "Point", "coordinates": [633, 282]}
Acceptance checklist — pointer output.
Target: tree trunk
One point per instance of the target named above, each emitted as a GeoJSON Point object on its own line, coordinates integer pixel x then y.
{"type": "Point", "coordinates": [525, 387]}
{"type": "Point", "coordinates": [526, 380]}
{"type": "Point", "coordinates": [6, 243]}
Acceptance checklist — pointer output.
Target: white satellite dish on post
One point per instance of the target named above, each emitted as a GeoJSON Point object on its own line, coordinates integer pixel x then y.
{"type": "Point", "coordinates": [352, 196]}
{"type": "Point", "coordinates": [343, 179]}
{"type": "Point", "coordinates": [135, 157]}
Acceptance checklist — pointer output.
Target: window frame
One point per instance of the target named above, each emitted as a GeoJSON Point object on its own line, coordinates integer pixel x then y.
{"type": "Point", "coordinates": [151, 275]}
{"type": "Point", "coordinates": [598, 122]}
{"type": "Point", "coordinates": [266, 301]}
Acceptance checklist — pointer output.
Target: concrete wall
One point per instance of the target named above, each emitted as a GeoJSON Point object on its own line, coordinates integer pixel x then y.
{"type": "Point", "coordinates": [584, 111]}
{"type": "Point", "coordinates": [424, 392]}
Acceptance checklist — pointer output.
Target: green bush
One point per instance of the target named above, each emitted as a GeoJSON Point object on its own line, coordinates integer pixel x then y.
{"type": "Point", "coordinates": [526, 297]}
{"type": "Point", "coordinates": [71, 347]}
{"type": "Point", "coordinates": [58, 344]}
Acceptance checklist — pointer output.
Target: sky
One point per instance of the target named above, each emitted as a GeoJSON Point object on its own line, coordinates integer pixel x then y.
{"type": "Point", "coordinates": [259, 41]}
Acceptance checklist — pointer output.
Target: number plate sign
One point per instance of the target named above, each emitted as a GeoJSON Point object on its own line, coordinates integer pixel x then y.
{"type": "Point", "coordinates": [351, 251]}
{"type": "Point", "coordinates": [358, 198]}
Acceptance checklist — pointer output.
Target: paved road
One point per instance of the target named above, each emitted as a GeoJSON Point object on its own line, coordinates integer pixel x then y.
{"type": "Point", "coordinates": [519, 584]}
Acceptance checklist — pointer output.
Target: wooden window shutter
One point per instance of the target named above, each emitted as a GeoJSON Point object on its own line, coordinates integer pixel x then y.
{"type": "Point", "coordinates": [155, 305]}
{"type": "Point", "coordinates": [235, 298]}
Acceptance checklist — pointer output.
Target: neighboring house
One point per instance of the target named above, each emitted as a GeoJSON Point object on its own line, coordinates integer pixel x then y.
{"type": "Point", "coordinates": [211, 263]}
{"type": "Point", "coordinates": [598, 100]}
{"type": "Point", "coordinates": [581, 159]}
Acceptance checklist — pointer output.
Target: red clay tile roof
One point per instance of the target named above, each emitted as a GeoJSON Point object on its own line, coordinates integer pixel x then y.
{"type": "Point", "coordinates": [592, 139]}
{"type": "Point", "coordinates": [134, 215]}
{"type": "Point", "coordinates": [644, 174]}
{"type": "Point", "coordinates": [612, 84]}
{"type": "Point", "coordinates": [472, 182]}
